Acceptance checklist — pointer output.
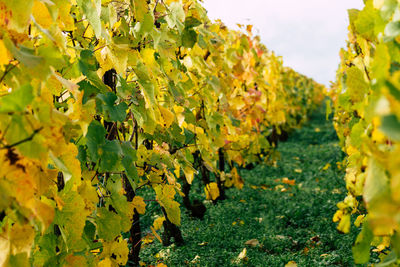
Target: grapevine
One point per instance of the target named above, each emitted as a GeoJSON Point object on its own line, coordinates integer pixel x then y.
{"type": "Point", "coordinates": [100, 99]}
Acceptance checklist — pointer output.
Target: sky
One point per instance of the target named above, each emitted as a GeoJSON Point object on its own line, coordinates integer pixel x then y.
{"type": "Point", "coordinates": [308, 34]}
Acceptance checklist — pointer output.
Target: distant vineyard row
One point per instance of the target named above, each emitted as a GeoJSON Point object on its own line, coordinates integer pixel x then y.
{"type": "Point", "coordinates": [367, 119]}
{"type": "Point", "coordinates": [100, 100]}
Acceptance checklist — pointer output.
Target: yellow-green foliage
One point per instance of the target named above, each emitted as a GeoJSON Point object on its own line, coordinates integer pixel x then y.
{"type": "Point", "coordinates": [367, 119]}
{"type": "Point", "coordinates": [70, 142]}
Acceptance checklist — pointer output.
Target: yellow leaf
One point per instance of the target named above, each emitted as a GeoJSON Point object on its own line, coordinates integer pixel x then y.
{"type": "Point", "coordinates": [116, 250]}
{"type": "Point", "coordinates": [167, 116]}
{"type": "Point", "coordinates": [72, 260]}
{"type": "Point", "coordinates": [89, 194]}
{"type": "Point", "coordinates": [212, 191]}
{"type": "Point", "coordinates": [327, 166]}
{"type": "Point", "coordinates": [161, 265]}
{"type": "Point", "coordinates": [291, 264]}
{"type": "Point", "coordinates": [4, 250]}
{"type": "Point", "coordinates": [148, 239]}
{"type": "Point", "coordinates": [158, 223]}
{"type": "Point", "coordinates": [165, 195]}
{"type": "Point", "coordinates": [337, 216]}
{"type": "Point", "coordinates": [71, 162]}
{"type": "Point", "coordinates": [359, 220]}
{"type": "Point", "coordinates": [189, 174]}
{"type": "Point", "coordinates": [17, 14]}
{"type": "Point", "coordinates": [44, 213]}
{"type": "Point", "coordinates": [285, 180]}
{"type": "Point", "coordinates": [155, 234]}
{"type": "Point", "coordinates": [379, 248]}
{"type": "Point", "coordinates": [105, 263]}
{"type": "Point", "coordinates": [242, 255]}
{"type": "Point", "coordinates": [65, 20]}
{"type": "Point", "coordinates": [139, 205]}
{"type": "Point", "coordinates": [42, 14]}
{"type": "Point", "coordinates": [237, 179]}
{"type": "Point", "coordinates": [148, 57]}
{"type": "Point", "coordinates": [344, 224]}
{"type": "Point", "coordinates": [298, 170]}
{"type": "Point", "coordinates": [21, 238]}
{"type": "Point", "coordinates": [4, 55]}
{"type": "Point", "coordinates": [169, 191]}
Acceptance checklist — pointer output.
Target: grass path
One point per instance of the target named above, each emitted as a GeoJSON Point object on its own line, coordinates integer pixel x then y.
{"type": "Point", "coordinates": [285, 222]}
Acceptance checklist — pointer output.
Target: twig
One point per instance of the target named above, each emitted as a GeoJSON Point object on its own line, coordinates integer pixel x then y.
{"type": "Point", "coordinates": [98, 48]}
{"type": "Point", "coordinates": [154, 10]}
{"type": "Point", "coordinates": [29, 138]}
{"type": "Point", "coordinates": [7, 71]}
{"type": "Point", "coordinates": [134, 127]}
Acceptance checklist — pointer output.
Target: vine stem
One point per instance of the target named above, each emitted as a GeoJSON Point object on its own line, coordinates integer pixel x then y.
{"type": "Point", "coordinates": [7, 71]}
{"type": "Point", "coordinates": [29, 138]}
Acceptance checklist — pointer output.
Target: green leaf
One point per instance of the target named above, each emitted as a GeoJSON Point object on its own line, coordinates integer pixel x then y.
{"type": "Point", "coordinates": [21, 11]}
{"type": "Point", "coordinates": [131, 172]}
{"type": "Point", "coordinates": [47, 255]}
{"type": "Point", "coordinates": [215, 83]}
{"type": "Point", "coordinates": [108, 224]}
{"type": "Point", "coordinates": [328, 112]}
{"type": "Point", "coordinates": [128, 151]}
{"type": "Point", "coordinates": [189, 137]}
{"type": "Point", "coordinates": [191, 22]}
{"type": "Point", "coordinates": [353, 14]}
{"type": "Point", "coordinates": [95, 138]}
{"type": "Point", "coordinates": [356, 84]}
{"type": "Point", "coordinates": [115, 112]}
{"type": "Point", "coordinates": [89, 91]}
{"type": "Point", "coordinates": [361, 248]}
{"type": "Point", "coordinates": [141, 8]}
{"type": "Point", "coordinates": [176, 15]}
{"type": "Point", "coordinates": [110, 152]}
{"type": "Point", "coordinates": [145, 82]}
{"type": "Point", "coordinates": [17, 100]}
{"type": "Point", "coordinates": [376, 182]}
{"type": "Point", "coordinates": [88, 65]}
{"type": "Point", "coordinates": [392, 30]}
{"type": "Point", "coordinates": [388, 8]}
{"type": "Point", "coordinates": [71, 219]}
{"type": "Point", "coordinates": [189, 38]}
{"type": "Point", "coordinates": [91, 9]}
{"type": "Point", "coordinates": [356, 134]}
{"type": "Point", "coordinates": [393, 90]}
{"type": "Point", "coordinates": [124, 89]}
{"type": "Point", "coordinates": [146, 26]}
{"type": "Point", "coordinates": [365, 23]}
{"type": "Point", "coordinates": [61, 166]}
{"type": "Point", "coordinates": [381, 63]}
{"type": "Point", "coordinates": [20, 259]}
{"type": "Point", "coordinates": [388, 260]}
{"type": "Point", "coordinates": [391, 127]}
{"type": "Point", "coordinates": [120, 204]}
{"type": "Point", "coordinates": [23, 54]}
{"type": "Point", "coordinates": [19, 129]}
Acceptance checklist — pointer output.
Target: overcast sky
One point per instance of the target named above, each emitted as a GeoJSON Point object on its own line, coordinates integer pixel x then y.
{"type": "Point", "coordinates": [308, 33]}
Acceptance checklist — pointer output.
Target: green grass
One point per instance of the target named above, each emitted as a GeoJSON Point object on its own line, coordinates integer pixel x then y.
{"type": "Point", "coordinates": [292, 225]}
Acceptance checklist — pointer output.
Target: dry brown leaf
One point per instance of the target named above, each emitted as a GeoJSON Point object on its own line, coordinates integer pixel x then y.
{"type": "Point", "coordinates": [252, 242]}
